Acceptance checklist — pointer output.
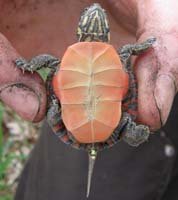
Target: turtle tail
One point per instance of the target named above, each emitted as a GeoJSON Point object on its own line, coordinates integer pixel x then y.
{"type": "Point", "coordinates": [92, 154]}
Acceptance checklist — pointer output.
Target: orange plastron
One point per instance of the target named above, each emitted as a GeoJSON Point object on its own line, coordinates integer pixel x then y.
{"type": "Point", "coordinates": [91, 85]}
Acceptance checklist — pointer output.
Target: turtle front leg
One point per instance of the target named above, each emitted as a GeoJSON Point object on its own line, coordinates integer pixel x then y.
{"type": "Point", "coordinates": [128, 50]}
{"type": "Point", "coordinates": [132, 133]}
{"type": "Point", "coordinates": [125, 53]}
{"type": "Point", "coordinates": [38, 62]}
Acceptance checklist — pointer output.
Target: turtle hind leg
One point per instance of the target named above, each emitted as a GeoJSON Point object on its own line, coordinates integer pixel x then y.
{"type": "Point", "coordinates": [132, 133]}
{"type": "Point", "coordinates": [135, 49]}
{"type": "Point", "coordinates": [38, 62]}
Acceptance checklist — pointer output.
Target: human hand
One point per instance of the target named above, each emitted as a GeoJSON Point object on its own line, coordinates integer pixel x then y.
{"type": "Point", "coordinates": [157, 69]}
{"type": "Point", "coordinates": [24, 93]}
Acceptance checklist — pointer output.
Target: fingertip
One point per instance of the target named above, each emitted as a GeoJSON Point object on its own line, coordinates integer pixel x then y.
{"type": "Point", "coordinates": [148, 114]}
{"type": "Point", "coordinates": [24, 101]}
{"type": "Point", "coordinates": [164, 93]}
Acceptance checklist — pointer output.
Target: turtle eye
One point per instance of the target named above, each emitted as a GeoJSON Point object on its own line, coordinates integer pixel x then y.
{"type": "Point", "coordinates": [85, 9]}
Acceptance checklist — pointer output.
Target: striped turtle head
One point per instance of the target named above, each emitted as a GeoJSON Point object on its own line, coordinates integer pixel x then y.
{"type": "Point", "coordinates": [93, 25]}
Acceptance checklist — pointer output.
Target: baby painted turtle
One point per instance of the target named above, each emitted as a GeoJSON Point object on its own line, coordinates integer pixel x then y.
{"type": "Point", "coordinates": [92, 91]}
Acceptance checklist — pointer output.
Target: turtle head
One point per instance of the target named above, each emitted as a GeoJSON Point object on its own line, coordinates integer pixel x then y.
{"type": "Point", "coordinates": [93, 25]}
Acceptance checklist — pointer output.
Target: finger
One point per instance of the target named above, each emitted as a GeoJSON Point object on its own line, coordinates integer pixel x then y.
{"type": "Point", "coordinates": [26, 96]}
{"type": "Point", "coordinates": [24, 101]}
{"type": "Point", "coordinates": [164, 93]}
{"type": "Point", "coordinates": [24, 93]}
{"type": "Point", "coordinates": [146, 73]}
{"type": "Point", "coordinates": [166, 83]}
{"type": "Point", "coordinates": [157, 78]}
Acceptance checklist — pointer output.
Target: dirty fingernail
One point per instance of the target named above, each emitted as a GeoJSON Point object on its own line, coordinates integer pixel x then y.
{"type": "Point", "coordinates": [22, 100]}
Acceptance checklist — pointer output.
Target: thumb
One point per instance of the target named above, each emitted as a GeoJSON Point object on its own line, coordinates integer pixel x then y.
{"type": "Point", "coordinates": [146, 73]}
{"type": "Point", "coordinates": [24, 93]}
{"type": "Point", "coordinates": [156, 74]}
{"type": "Point", "coordinates": [166, 52]}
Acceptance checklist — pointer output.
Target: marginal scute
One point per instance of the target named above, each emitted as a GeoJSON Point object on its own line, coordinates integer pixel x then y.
{"type": "Point", "coordinates": [91, 84]}
{"type": "Point", "coordinates": [98, 134]}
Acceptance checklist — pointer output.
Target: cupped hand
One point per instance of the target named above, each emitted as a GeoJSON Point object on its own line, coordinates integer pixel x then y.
{"type": "Point", "coordinates": [157, 76]}
{"type": "Point", "coordinates": [157, 69]}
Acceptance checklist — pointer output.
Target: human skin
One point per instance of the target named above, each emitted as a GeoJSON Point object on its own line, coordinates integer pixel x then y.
{"type": "Point", "coordinates": [35, 27]}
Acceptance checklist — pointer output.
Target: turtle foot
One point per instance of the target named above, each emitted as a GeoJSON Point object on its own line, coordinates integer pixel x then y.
{"type": "Point", "coordinates": [135, 135]}
{"type": "Point", "coordinates": [38, 62]}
